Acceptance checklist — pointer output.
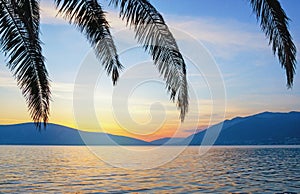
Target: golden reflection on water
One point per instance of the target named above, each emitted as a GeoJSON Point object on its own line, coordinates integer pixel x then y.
{"type": "Point", "coordinates": [75, 169]}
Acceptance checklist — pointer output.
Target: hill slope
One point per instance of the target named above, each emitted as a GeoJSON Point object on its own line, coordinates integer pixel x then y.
{"type": "Point", "coordinates": [27, 134]}
{"type": "Point", "coordinates": [261, 129]}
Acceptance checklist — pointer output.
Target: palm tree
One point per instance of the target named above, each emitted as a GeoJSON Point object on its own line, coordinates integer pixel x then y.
{"type": "Point", "coordinates": [19, 31]}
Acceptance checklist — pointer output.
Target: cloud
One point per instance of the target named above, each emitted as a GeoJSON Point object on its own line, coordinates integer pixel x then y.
{"type": "Point", "coordinates": [59, 89]}
{"type": "Point", "coordinates": [7, 80]}
{"type": "Point", "coordinates": [224, 33]}
{"type": "Point", "coordinates": [62, 90]}
{"type": "Point", "coordinates": [224, 38]}
{"type": "Point", "coordinates": [49, 14]}
{"type": "Point", "coordinates": [62, 87]}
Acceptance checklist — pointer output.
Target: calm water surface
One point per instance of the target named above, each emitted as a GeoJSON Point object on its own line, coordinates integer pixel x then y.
{"type": "Point", "coordinates": [57, 169]}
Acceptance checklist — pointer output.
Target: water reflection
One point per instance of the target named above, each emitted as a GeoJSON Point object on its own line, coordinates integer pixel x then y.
{"type": "Point", "coordinates": [222, 169]}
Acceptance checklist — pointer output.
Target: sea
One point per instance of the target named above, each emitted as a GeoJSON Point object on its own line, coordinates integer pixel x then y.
{"type": "Point", "coordinates": [82, 169]}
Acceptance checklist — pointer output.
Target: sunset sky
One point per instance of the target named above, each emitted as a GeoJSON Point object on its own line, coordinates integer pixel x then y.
{"type": "Point", "coordinates": [230, 43]}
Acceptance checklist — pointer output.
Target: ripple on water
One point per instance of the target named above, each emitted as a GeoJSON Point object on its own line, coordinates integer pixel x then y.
{"type": "Point", "coordinates": [75, 169]}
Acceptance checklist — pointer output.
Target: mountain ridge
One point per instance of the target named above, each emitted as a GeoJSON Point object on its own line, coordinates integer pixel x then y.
{"type": "Point", "coordinates": [265, 128]}
{"type": "Point", "coordinates": [54, 134]}
{"type": "Point", "coordinates": [226, 138]}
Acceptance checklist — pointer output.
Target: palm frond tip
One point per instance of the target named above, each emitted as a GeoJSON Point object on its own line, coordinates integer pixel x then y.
{"type": "Point", "coordinates": [19, 29]}
{"type": "Point", "coordinates": [89, 17]}
{"type": "Point", "coordinates": [156, 38]}
{"type": "Point", "coordinates": [274, 23]}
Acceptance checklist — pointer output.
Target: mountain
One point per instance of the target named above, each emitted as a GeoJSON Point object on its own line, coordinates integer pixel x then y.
{"type": "Point", "coordinates": [265, 128]}
{"type": "Point", "coordinates": [27, 134]}
{"type": "Point", "coordinates": [168, 141]}
{"type": "Point", "coordinates": [261, 129]}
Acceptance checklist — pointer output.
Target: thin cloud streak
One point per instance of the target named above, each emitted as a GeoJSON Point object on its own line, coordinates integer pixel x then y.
{"type": "Point", "coordinates": [7, 80]}
{"type": "Point", "coordinates": [49, 14]}
{"type": "Point", "coordinates": [225, 37]}
{"type": "Point", "coordinates": [222, 33]}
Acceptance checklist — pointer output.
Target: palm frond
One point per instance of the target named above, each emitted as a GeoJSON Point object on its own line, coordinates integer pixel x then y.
{"type": "Point", "coordinates": [274, 23]}
{"type": "Point", "coordinates": [156, 38]}
{"type": "Point", "coordinates": [19, 30]}
{"type": "Point", "coordinates": [89, 17]}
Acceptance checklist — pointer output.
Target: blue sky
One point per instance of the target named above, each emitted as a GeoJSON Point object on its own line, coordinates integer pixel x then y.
{"type": "Point", "coordinates": [227, 30]}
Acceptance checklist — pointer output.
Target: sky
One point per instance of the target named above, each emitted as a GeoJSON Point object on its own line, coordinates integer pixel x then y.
{"type": "Point", "coordinates": [231, 72]}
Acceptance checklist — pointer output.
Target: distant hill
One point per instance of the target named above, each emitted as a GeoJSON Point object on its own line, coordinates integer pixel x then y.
{"type": "Point", "coordinates": [168, 141]}
{"type": "Point", "coordinates": [261, 129]}
{"type": "Point", "coordinates": [27, 134]}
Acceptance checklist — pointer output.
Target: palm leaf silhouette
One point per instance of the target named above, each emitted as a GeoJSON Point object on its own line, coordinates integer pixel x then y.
{"type": "Point", "coordinates": [152, 31]}
{"type": "Point", "coordinates": [19, 29]}
{"type": "Point", "coordinates": [89, 17]}
{"type": "Point", "coordinates": [274, 23]}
